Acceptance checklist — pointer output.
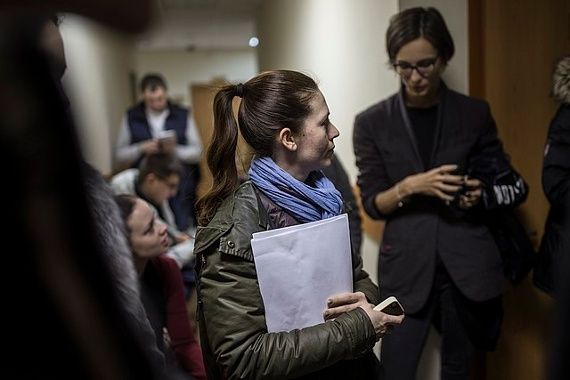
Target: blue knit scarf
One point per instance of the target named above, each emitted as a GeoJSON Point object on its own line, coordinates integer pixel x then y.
{"type": "Point", "coordinates": [305, 203]}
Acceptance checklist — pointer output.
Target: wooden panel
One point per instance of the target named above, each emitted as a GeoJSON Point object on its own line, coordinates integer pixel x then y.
{"type": "Point", "coordinates": [517, 43]}
{"type": "Point", "coordinates": [522, 40]}
{"type": "Point", "coordinates": [374, 229]}
{"type": "Point", "coordinates": [202, 103]}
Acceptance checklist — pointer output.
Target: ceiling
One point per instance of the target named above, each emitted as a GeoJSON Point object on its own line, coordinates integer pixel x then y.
{"type": "Point", "coordinates": [201, 25]}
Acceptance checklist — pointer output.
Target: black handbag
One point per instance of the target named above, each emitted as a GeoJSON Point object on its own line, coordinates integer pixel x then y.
{"type": "Point", "coordinates": [503, 190]}
{"type": "Point", "coordinates": [517, 251]}
{"type": "Point", "coordinates": [503, 187]}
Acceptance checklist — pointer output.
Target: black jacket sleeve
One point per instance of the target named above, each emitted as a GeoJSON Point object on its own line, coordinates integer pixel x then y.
{"type": "Point", "coordinates": [556, 165]}
{"type": "Point", "coordinates": [372, 176]}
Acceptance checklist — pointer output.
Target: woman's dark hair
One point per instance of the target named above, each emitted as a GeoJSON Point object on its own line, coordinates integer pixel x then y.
{"type": "Point", "coordinates": [270, 102]}
{"type": "Point", "coordinates": [414, 23]}
{"type": "Point", "coordinates": [126, 203]}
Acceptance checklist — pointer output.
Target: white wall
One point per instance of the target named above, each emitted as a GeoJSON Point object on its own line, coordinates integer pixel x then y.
{"type": "Point", "coordinates": [340, 43]}
{"type": "Point", "coordinates": [97, 82]}
{"type": "Point", "coordinates": [182, 68]}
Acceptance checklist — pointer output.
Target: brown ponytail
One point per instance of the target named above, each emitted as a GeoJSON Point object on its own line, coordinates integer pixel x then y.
{"type": "Point", "coordinates": [220, 156]}
{"type": "Point", "coordinates": [270, 102]}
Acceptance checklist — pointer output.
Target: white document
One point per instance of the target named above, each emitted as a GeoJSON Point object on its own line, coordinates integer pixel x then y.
{"type": "Point", "coordinates": [299, 267]}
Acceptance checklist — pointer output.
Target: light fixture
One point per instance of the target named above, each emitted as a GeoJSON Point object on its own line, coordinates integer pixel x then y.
{"type": "Point", "coordinates": [253, 41]}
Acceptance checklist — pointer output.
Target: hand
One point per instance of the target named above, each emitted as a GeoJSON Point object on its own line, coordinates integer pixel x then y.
{"type": "Point", "coordinates": [473, 194]}
{"type": "Point", "coordinates": [343, 303]}
{"type": "Point", "coordinates": [382, 322]}
{"type": "Point", "coordinates": [149, 146]}
{"type": "Point", "coordinates": [437, 182]}
{"type": "Point", "coordinates": [167, 145]}
{"type": "Point", "coordinates": [182, 237]}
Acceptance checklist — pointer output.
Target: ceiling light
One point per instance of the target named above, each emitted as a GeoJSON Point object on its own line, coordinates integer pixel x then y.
{"type": "Point", "coordinates": [253, 41]}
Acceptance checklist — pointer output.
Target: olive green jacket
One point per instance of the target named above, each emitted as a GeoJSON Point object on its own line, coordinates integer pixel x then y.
{"type": "Point", "coordinates": [234, 337]}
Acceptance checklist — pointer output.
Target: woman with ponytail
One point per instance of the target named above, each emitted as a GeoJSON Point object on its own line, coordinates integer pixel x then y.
{"type": "Point", "coordinates": [284, 118]}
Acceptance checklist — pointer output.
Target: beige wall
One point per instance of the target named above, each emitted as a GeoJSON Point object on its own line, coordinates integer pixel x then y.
{"type": "Point", "coordinates": [97, 81]}
{"type": "Point", "coordinates": [339, 43]}
{"type": "Point", "coordinates": [182, 69]}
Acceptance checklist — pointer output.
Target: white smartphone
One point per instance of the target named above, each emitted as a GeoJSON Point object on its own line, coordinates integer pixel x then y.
{"type": "Point", "coordinates": [390, 306]}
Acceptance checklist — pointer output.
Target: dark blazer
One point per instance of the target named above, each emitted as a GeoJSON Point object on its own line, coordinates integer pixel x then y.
{"type": "Point", "coordinates": [386, 152]}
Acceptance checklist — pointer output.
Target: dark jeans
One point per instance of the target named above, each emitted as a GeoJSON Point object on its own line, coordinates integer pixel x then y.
{"type": "Point", "coordinates": [401, 350]}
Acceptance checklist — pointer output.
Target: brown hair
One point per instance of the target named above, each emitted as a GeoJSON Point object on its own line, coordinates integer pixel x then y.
{"type": "Point", "coordinates": [126, 203]}
{"type": "Point", "coordinates": [271, 101]}
{"type": "Point", "coordinates": [414, 23]}
{"type": "Point", "coordinates": [161, 165]}
{"type": "Point", "coordinates": [152, 81]}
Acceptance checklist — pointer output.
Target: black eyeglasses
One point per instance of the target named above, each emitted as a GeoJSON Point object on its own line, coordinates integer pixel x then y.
{"type": "Point", "coordinates": [424, 67]}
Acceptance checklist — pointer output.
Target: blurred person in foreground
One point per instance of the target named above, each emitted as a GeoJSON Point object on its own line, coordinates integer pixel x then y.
{"type": "Point", "coordinates": [86, 305]}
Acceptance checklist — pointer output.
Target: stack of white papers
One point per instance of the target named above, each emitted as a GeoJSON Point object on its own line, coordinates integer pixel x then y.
{"type": "Point", "coordinates": [299, 267]}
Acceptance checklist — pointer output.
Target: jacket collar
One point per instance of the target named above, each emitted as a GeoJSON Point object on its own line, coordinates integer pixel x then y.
{"type": "Point", "coordinates": [224, 218]}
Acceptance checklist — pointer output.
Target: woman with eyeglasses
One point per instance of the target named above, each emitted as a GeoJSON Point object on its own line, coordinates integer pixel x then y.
{"type": "Point", "coordinates": [413, 151]}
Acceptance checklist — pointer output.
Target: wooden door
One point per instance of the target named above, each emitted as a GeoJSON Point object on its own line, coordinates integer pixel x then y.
{"type": "Point", "coordinates": [513, 46]}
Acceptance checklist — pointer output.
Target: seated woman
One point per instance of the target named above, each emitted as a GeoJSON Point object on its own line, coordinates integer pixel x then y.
{"type": "Point", "coordinates": [284, 118]}
{"type": "Point", "coordinates": [162, 289]}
